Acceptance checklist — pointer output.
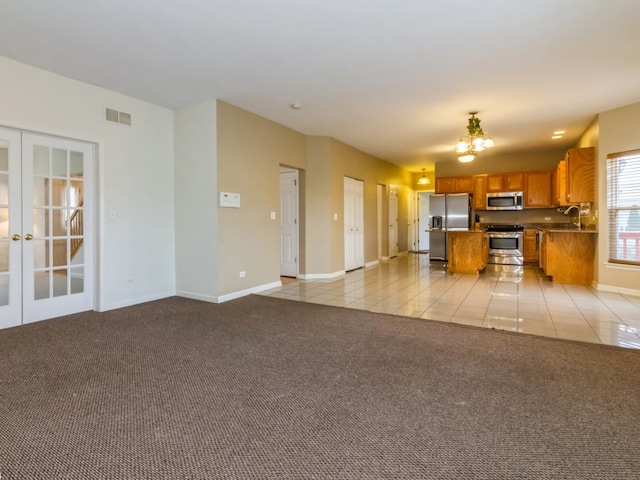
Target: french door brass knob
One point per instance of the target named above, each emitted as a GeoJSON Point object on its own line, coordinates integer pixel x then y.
{"type": "Point", "coordinates": [28, 236]}
{"type": "Point", "coordinates": [15, 237]}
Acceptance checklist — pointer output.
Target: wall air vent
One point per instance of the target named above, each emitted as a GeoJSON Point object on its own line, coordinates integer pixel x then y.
{"type": "Point", "coordinates": [115, 116]}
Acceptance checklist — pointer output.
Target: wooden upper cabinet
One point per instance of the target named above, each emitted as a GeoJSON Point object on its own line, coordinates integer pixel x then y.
{"type": "Point", "coordinates": [454, 184]}
{"type": "Point", "coordinates": [514, 182]}
{"type": "Point", "coordinates": [480, 192]}
{"type": "Point", "coordinates": [537, 190]}
{"type": "Point", "coordinates": [445, 185]}
{"type": "Point", "coordinates": [580, 182]}
{"type": "Point", "coordinates": [463, 184]}
{"type": "Point", "coordinates": [505, 182]}
{"type": "Point", "coordinates": [495, 183]}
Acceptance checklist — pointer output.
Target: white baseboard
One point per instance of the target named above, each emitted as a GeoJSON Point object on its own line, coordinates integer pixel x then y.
{"type": "Point", "coordinates": [133, 301]}
{"type": "Point", "coordinates": [621, 290]}
{"type": "Point", "coordinates": [372, 264]}
{"type": "Point", "coordinates": [248, 291]}
{"type": "Point", "coordinates": [321, 276]}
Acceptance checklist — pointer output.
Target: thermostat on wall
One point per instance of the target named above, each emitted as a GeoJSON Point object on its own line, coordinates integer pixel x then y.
{"type": "Point", "coordinates": [229, 199]}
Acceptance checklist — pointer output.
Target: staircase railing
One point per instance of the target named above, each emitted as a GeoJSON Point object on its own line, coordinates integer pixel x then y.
{"type": "Point", "coordinates": [76, 229]}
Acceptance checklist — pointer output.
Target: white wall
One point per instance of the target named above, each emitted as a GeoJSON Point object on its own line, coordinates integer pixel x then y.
{"type": "Point", "coordinates": [196, 182]}
{"type": "Point", "coordinates": [135, 174]}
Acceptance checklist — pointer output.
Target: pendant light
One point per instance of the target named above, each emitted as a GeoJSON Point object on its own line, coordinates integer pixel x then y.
{"type": "Point", "coordinates": [424, 180]}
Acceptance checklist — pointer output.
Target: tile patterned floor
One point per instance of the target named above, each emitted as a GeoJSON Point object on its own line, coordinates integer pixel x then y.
{"type": "Point", "coordinates": [501, 297]}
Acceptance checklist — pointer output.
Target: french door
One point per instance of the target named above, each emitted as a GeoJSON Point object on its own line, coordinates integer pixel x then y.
{"type": "Point", "coordinates": [46, 227]}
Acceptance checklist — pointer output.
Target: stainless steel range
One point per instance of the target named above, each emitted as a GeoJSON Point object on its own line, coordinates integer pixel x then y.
{"type": "Point", "coordinates": [506, 244]}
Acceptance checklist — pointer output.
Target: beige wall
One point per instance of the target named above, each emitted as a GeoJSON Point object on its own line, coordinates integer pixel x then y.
{"type": "Point", "coordinates": [618, 132]}
{"type": "Point", "coordinates": [250, 152]}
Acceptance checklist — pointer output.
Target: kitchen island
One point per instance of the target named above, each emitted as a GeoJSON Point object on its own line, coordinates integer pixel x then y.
{"type": "Point", "coordinates": [567, 254]}
{"type": "Point", "coordinates": [468, 251]}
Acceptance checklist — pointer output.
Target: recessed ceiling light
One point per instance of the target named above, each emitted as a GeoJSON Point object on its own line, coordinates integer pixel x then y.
{"type": "Point", "coordinates": [555, 137]}
{"type": "Point", "coordinates": [559, 132]}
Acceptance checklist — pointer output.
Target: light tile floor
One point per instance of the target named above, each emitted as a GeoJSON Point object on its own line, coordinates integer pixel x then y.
{"type": "Point", "coordinates": [501, 297]}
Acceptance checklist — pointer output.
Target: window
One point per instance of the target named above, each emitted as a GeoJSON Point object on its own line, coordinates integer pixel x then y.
{"type": "Point", "coordinates": [623, 203]}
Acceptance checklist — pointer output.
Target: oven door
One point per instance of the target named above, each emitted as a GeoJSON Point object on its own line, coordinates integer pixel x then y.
{"type": "Point", "coordinates": [507, 244]}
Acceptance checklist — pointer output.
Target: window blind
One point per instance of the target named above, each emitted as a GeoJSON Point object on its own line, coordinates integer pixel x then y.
{"type": "Point", "coordinates": [623, 206]}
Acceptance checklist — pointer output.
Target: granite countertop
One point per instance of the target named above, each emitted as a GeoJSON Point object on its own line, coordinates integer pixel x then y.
{"type": "Point", "coordinates": [571, 229]}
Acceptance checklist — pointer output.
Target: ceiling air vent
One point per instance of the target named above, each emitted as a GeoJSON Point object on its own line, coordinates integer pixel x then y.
{"type": "Point", "coordinates": [115, 116]}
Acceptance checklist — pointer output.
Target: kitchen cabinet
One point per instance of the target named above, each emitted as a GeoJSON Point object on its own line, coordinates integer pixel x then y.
{"type": "Point", "coordinates": [576, 177]}
{"type": "Point", "coordinates": [480, 192]}
{"type": "Point", "coordinates": [567, 256]}
{"type": "Point", "coordinates": [531, 252]}
{"type": "Point", "coordinates": [537, 190]}
{"type": "Point", "coordinates": [468, 251]}
{"type": "Point", "coordinates": [454, 184]}
{"type": "Point", "coordinates": [505, 182]}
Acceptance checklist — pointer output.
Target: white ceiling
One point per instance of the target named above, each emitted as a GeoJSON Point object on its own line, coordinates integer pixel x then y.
{"type": "Point", "coordinates": [394, 78]}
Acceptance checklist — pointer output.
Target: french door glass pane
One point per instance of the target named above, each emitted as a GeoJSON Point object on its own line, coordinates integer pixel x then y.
{"type": "Point", "coordinates": [4, 256]}
{"type": "Point", "coordinates": [41, 161]}
{"type": "Point", "coordinates": [59, 253]}
{"type": "Point", "coordinates": [41, 254]}
{"type": "Point", "coordinates": [4, 222]}
{"type": "Point", "coordinates": [77, 280]}
{"type": "Point", "coordinates": [41, 285]}
{"type": "Point", "coordinates": [4, 188]}
{"type": "Point", "coordinates": [59, 158]}
{"type": "Point", "coordinates": [4, 290]}
{"type": "Point", "coordinates": [60, 284]}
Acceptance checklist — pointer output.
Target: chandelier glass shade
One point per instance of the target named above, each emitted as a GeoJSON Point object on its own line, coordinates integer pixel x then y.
{"type": "Point", "coordinates": [424, 180]}
{"type": "Point", "coordinates": [473, 141]}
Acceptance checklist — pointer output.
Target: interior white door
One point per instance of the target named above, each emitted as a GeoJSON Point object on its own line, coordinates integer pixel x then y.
{"type": "Point", "coordinates": [48, 183]}
{"type": "Point", "coordinates": [423, 222]}
{"type": "Point", "coordinates": [353, 223]}
{"type": "Point", "coordinates": [289, 224]}
{"type": "Point", "coordinates": [10, 229]}
{"type": "Point", "coordinates": [411, 225]}
{"type": "Point", "coordinates": [393, 223]}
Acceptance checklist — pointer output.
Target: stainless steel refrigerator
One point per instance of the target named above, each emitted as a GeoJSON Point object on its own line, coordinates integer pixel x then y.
{"type": "Point", "coordinates": [446, 212]}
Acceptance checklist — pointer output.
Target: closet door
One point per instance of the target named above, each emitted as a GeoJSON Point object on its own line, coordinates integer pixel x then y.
{"type": "Point", "coordinates": [353, 223]}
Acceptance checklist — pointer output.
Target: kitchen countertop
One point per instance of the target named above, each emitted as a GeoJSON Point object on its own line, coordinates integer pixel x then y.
{"type": "Point", "coordinates": [567, 230]}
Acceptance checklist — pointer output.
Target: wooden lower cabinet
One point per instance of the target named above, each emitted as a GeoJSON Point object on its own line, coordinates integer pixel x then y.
{"type": "Point", "coordinates": [531, 251]}
{"type": "Point", "coordinates": [567, 257]}
{"type": "Point", "coordinates": [468, 251]}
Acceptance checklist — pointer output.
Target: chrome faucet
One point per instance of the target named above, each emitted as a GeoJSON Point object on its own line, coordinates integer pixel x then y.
{"type": "Point", "coordinates": [568, 210]}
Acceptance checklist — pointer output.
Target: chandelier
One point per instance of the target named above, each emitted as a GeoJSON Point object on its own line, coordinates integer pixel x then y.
{"type": "Point", "coordinates": [472, 142]}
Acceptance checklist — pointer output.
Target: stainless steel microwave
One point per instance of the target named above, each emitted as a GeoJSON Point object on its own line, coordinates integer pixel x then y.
{"type": "Point", "coordinates": [504, 201]}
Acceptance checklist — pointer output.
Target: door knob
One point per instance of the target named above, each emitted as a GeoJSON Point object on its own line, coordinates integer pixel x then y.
{"type": "Point", "coordinates": [15, 237]}
{"type": "Point", "coordinates": [28, 236]}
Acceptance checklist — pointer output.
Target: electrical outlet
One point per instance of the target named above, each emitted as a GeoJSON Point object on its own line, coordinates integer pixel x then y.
{"type": "Point", "coordinates": [243, 274]}
{"type": "Point", "coordinates": [547, 219]}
